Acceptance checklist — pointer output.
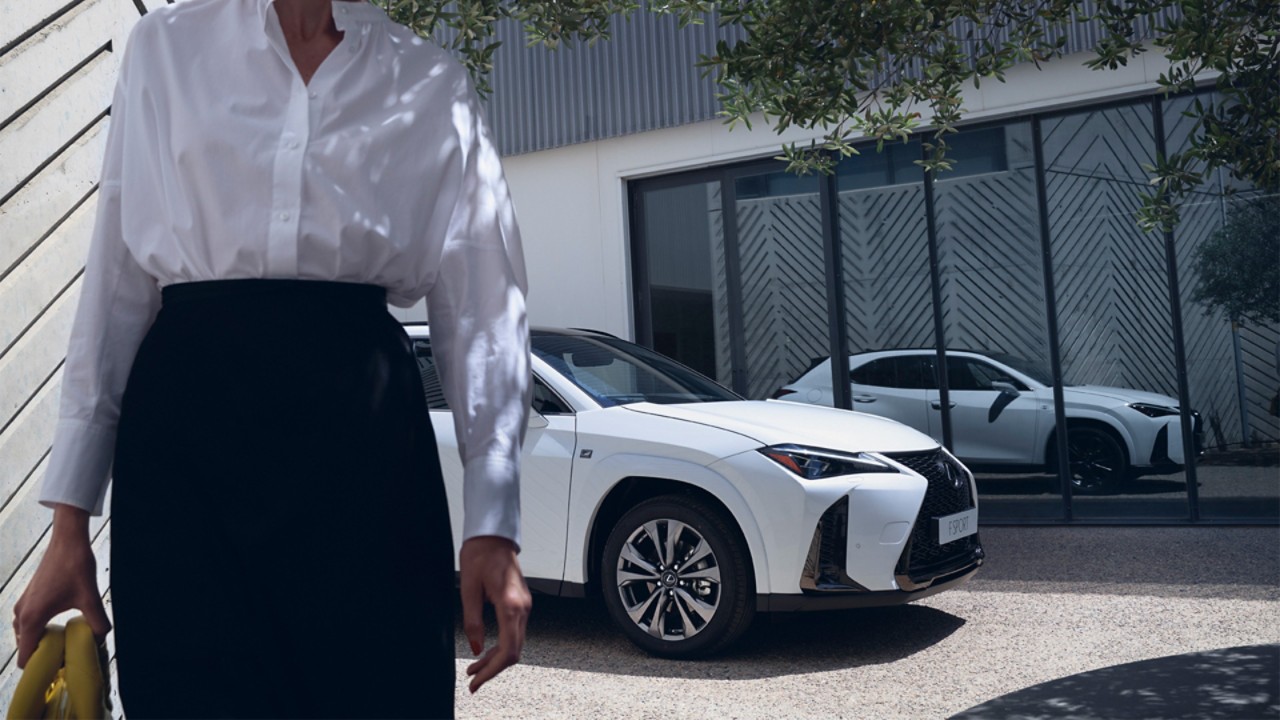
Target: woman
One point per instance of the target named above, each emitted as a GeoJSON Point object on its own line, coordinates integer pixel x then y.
{"type": "Point", "coordinates": [275, 172]}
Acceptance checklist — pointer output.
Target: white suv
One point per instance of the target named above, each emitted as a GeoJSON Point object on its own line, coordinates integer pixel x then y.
{"type": "Point", "coordinates": [1002, 415]}
{"type": "Point", "coordinates": [688, 508]}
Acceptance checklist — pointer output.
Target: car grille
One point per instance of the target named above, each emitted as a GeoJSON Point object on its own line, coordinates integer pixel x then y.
{"type": "Point", "coordinates": [924, 559]}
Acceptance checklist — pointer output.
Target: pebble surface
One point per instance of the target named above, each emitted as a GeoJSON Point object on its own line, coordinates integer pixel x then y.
{"type": "Point", "coordinates": [1051, 602]}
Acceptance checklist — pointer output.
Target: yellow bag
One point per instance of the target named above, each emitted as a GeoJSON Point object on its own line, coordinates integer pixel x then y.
{"type": "Point", "coordinates": [66, 677]}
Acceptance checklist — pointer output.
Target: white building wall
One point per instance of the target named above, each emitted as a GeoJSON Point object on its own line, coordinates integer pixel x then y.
{"type": "Point", "coordinates": [572, 202]}
{"type": "Point", "coordinates": [57, 69]}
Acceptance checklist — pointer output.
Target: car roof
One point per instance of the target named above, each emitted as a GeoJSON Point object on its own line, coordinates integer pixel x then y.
{"type": "Point", "coordinates": [537, 330]}
{"type": "Point", "coordinates": [886, 351]}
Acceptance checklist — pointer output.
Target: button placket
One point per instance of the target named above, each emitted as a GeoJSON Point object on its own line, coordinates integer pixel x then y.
{"type": "Point", "coordinates": [286, 184]}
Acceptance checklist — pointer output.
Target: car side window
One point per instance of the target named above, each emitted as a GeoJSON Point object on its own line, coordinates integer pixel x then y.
{"type": "Point", "coordinates": [914, 373]}
{"type": "Point", "coordinates": [988, 374]}
{"type": "Point", "coordinates": [877, 372]}
{"type": "Point", "coordinates": [430, 379]}
{"type": "Point", "coordinates": [546, 402]}
{"type": "Point", "coordinates": [961, 376]}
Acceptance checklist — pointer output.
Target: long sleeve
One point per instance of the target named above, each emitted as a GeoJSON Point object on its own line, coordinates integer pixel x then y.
{"type": "Point", "coordinates": [118, 302]}
{"type": "Point", "coordinates": [479, 331]}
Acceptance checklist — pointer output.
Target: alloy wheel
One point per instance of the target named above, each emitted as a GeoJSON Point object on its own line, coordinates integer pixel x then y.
{"type": "Point", "coordinates": [1096, 459]}
{"type": "Point", "coordinates": [668, 579]}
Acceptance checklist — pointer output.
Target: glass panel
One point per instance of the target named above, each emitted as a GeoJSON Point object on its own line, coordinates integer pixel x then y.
{"type": "Point", "coordinates": [994, 307]}
{"type": "Point", "coordinates": [888, 305]}
{"type": "Point", "coordinates": [684, 241]}
{"type": "Point", "coordinates": [1231, 369]}
{"type": "Point", "coordinates": [784, 296]}
{"type": "Point", "coordinates": [1113, 316]}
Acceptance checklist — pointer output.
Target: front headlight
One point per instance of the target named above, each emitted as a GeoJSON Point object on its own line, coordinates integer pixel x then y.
{"type": "Point", "coordinates": [1154, 411]}
{"type": "Point", "coordinates": [816, 464]}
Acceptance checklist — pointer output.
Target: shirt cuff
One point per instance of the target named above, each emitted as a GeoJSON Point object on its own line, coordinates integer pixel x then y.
{"type": "Point", "coordinates": [491, 499]}
{"type": "Point", "coordinates": [78, 465]}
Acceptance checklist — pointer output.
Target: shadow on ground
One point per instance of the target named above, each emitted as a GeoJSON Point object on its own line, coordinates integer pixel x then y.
{"type": "Point", "coordinates": [577, 634]}
{"type": "Point", "coordinates": [1241, 683]}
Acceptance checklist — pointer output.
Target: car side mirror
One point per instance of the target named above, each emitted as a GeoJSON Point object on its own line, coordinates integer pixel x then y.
{"type": "Point", "coordinates": [1005, 388]}
{"type": "Point", "coordinates": [536, 420]}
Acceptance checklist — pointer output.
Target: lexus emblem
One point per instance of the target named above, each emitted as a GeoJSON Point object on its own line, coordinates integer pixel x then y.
{"type": "Point", "coordinates": [951, 473]}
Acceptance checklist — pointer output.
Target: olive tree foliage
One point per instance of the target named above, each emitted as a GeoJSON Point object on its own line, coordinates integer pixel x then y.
{"type": "Point", "coordinates": [1239, 266]}
{"type": "Point", "coordinates": [878, 69]}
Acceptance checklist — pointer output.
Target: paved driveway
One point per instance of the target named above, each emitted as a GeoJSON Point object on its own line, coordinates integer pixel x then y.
{"type": "Point", "coordinates": [1051, 602]}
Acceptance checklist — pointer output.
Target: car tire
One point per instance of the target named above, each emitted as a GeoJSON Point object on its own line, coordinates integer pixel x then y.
{"type": "Point", "coordinates": [1097, 458]}
{"type": "Point", "coordinates": [683, 599]}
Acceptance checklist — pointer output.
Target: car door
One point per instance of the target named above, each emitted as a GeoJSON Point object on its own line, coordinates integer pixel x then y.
{"type": "Point", "coordinates": [988, 425]}
{"type": "Point", "coordinates": [892, 387]}
{"type": "Point", "coordinates": [546, 467]}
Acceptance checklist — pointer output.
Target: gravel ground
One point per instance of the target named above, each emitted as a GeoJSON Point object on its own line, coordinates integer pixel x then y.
{"type": "Point", "coordinates": [1051, 602]}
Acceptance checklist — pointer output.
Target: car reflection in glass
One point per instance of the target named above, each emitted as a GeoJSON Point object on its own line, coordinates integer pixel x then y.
{"type": "Point", "coordinates": [1002, 417]}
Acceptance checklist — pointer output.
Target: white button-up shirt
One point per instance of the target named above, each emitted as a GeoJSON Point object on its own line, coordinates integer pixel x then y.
{"type": "Point", "coordinates": [221, 163]}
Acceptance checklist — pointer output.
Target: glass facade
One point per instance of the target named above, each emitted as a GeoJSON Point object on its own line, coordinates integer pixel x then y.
{"type": "Point", "coordinates": [1026, 265]}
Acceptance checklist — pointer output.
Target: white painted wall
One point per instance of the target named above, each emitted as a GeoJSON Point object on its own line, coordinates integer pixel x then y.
{"type": "Point", "coordinates": [572, 205]}
{"type": "Point", "coordinates": [57, 70]}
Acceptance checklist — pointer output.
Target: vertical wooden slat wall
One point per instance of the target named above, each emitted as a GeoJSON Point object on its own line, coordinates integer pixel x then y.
{"type": "Point", "coordinates": [58, 62]}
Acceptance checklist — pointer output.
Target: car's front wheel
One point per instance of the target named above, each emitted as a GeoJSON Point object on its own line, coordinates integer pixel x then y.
{"type": "Point", "coordinates": [676, 577]}
{"type": "Point", "coordinates": [1097, 460]}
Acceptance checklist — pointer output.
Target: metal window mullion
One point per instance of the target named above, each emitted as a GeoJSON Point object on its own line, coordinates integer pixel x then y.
{"type": "Point", "coordinates": [1051, 317]}
{"type": "Point", "coordinates": [837, 334]}
{"type": "Point", "coordinates": [935, 290]}
{"type": "Point", "coordinates": [1179, 348]}
{"type": "Point", "coordinates": [642, 309]}
{"type": "Point", "coordinates": [733, 283]}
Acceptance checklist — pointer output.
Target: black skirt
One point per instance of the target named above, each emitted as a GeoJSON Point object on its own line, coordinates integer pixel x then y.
{"type": "Point", "coordinates": [280, 542]}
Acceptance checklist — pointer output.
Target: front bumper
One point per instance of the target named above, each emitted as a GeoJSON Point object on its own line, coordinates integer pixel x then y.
{"type": "Point", "coordinates": [841, 544]}
{"type": "Point", "coordinates": [849, 599]}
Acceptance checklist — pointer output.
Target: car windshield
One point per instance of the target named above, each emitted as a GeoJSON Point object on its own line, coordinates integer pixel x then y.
{"type": "Point", "coordinates": [616, 372]}
{"type": "Point", "coordinates": [1034, 370]}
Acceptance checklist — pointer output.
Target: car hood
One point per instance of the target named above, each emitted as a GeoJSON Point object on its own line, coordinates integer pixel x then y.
{"type": "Point", "coordinates": [1086, 392]}
{"type": "Point", "coordinates": [775, 423]}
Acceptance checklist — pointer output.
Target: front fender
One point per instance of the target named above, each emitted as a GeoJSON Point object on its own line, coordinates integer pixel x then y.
{"type": "Point", "coordinates": [596, 482]}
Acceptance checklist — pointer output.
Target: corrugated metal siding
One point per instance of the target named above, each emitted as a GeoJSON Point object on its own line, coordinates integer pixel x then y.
{"type": "Point", "coordinates": [644, 78]}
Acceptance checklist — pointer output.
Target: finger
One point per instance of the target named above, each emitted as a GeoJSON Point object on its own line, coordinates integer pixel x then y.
{"type": "Point", "coordinates": [29, 635]}
{"type": "Point", "coordinates": [95, 613]}
{"type": "Point", "coordinates": [473, 614]}
{"type": "Point", "coordinates": [493, 662]}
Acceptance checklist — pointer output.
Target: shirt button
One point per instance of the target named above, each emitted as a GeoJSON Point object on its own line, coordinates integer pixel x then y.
{"type": "Point", "coordinates": [284, 216]}
{"type": "Point", "coordinates": [314, 94]}
{"type": "Point", "coordinates": [293, 145]}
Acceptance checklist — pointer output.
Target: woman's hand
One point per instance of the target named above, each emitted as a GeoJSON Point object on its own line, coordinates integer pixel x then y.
{"type": "Point", "coordinates": [65, 580]}
{"type": "Point", "coordinates": [491, 572]}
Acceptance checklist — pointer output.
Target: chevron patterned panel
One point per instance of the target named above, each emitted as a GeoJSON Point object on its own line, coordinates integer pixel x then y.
{"type": "Point", "coordinates": [784, 294]}
{"type": "Point", "coordinates": [1110, 277]}
{"type": "Point", "coordinates": [989, 253]}
{"type": "Point", "coordinates": [884, 238]}
{"type": "Point", "coordinates": [1259, 344]}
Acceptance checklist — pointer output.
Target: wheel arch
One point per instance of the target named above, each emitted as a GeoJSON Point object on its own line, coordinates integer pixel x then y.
{"type": "Point", "coordinates": [1098, 422]}
{"type": "Point", "coordinates": [631, 490]}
